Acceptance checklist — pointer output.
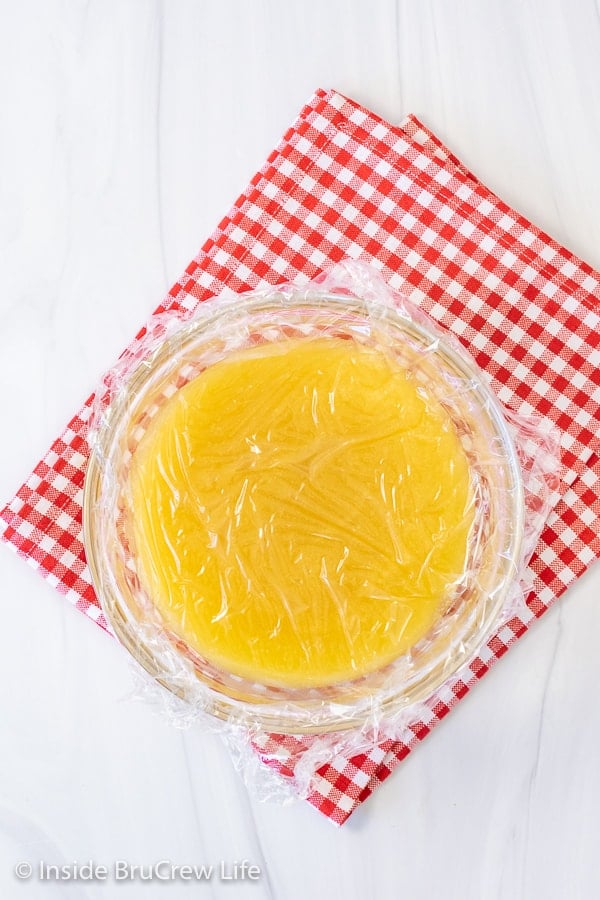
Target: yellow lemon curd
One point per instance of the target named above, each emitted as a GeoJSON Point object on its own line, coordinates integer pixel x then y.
{"type": "Point", "coordinates": [301, 511]}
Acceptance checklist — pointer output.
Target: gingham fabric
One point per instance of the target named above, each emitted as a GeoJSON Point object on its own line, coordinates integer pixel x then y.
{"type": "Point", "coordinates": [344, 183]}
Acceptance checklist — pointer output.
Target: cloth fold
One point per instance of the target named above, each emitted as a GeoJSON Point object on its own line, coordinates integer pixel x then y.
{"type": "Point", "coordinates": [344, 183]}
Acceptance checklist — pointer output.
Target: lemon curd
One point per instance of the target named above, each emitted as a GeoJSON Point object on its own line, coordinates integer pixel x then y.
{"type": "Point", "coordinates": [301, 511]}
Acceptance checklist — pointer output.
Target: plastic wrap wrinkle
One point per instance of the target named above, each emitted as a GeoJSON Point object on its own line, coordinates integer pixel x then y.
{"type": "Point", "coordinates": [305, 511]}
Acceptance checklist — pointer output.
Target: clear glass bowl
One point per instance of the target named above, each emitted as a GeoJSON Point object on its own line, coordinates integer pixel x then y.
{"type": "Point", "coordinates": [226, 325]}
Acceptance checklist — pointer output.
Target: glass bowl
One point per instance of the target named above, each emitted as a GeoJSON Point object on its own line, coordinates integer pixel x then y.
{"type": "Point", "coordinates": [223, 326]}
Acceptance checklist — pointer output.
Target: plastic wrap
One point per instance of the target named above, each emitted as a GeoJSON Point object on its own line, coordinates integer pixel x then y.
{"type": "Point", "coordinates": [305, 510]}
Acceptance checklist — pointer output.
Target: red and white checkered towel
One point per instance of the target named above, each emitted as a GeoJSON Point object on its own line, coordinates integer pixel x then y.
{"type": "Point", "coordinates": [344, 183]}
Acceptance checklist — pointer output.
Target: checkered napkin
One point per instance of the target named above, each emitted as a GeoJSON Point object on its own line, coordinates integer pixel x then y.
{"type": "Point", "coordinates": [344, 183]}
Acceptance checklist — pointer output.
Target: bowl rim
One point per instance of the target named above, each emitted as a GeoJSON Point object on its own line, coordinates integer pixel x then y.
{"type": "Point", "coordinates": [309, 717]}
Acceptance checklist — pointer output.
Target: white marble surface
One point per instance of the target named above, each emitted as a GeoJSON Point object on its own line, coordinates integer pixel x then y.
{"type": "Point", "coordinates": [126, 129]}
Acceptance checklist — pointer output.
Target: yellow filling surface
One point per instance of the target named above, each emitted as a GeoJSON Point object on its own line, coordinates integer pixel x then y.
{"type": "Point", "coordinates": [300, 511]}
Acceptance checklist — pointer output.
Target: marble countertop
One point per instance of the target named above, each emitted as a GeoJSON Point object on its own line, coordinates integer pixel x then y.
{"type": "Point", "coordinates": [127, 129]}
